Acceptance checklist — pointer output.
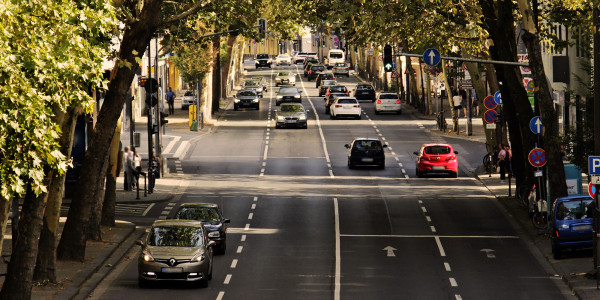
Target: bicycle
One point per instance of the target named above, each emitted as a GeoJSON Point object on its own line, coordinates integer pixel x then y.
{"type": "Point", "coordinates": [490, 161]}
{"type": "Point", "coordinates": [539, 218]}
{"type": "Point", "coordinates": [441, 121]}
{"type": "Point", "coordinates": [526, 196]}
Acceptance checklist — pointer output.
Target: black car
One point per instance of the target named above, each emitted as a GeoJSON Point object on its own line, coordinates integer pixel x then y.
{"type": "Point", "coordinates": [364, 92]}
{"type": "Point", "coordinates": [307, 68]}
{"type": "Point", "coordinates": [246, 98]}
{"type": "Point", "coordinates": [366, 152]}
{"type": "Point", "coordinates": [310, 60]}
{"type": "Point", "coordinates": [324, 76]}
{"type": "Point", "coordinates": [212, 218]}
{"type": "Point", "coordinates": [330, 98]}
{"type": "Point", "coordinates": [262, 61]}
{"type": "Point", "coordinates": [288, 94]}
{"type": "Point", "coordinates": [314, 71]}
{"type": "Point", "coordinates": [337, 89]}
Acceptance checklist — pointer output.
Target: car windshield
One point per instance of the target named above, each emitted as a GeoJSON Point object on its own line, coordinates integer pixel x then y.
{"type": "Point", "coordinates": [364, 88]}
{"type": "Point", "coordinates": [262, 56]}
{"type": "Point", "coordinates": [288, 90]}
{"type": "Point", "coordinates": [437, 150]}
{"type": "Point", "coordinates": [205, 214]}
{"type": "Point", "coordinates": [336, 55]}
{"type": "Point", "coordinates": [367, 145]}
{"type": "Point", "coordinates": [250, 83]}
{"type": "Point", "coordinates": [175, 236]}
{"type": "Point", "coordinates": [246, 93]}
{"type": "Point", "coordinates": [574, 210]}
{"type": "Point", "coordinates": [326, 76]}
{"type": "Point", "coordinates": [388, 96]}
{"type": "Point", "coordinates": [283, 74]}
{"type": "Point", "coordinates": [188, 93]}
{"type": "Point", "coordinates": [291, 108]}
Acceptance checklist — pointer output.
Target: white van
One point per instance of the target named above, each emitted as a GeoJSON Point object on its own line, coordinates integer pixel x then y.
{"type": "Point", "coordinates": [335, 56]}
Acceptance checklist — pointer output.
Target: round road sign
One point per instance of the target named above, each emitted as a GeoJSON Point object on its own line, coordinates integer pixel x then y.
{"type": "Point", "coordinates": [490, 116]}
{"type": "Point", "coordinates": [498, 98]}
{"type": "Point", "coordinates": [537, 157]}
{"type": "Point", "coordinates": [592, 190]}
{"type": "Point", "coordinates": [489, 102]}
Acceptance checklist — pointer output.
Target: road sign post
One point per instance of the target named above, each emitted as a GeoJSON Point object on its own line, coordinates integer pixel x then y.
{"type": "Point", "coordinates": [432, 57]}
{"type": "Point", "coordinates": [536, 125]}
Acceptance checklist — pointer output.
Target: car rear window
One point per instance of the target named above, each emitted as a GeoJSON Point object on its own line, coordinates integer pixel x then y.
{"type": "Point", "coordinates": [188, 93]}
{"type": "Point", "coordinates": [336, 55]}
{"type": "Point", "coordinates": [338, 88]}
{"type": "Point", "coordinates": [437, 150]}
{"type": "Point", "coordinates": [364, 88]}
{"type": "Point", "coordinates": [367, 145]}
{"type": "Point", "coordinates": [574, 210]}
{"type": "Point", "coordinates": [388, 96]}
{"type": "Point", "coordinates": [347, 101]}
{"type": "Point", "coordinates": [320, 68]}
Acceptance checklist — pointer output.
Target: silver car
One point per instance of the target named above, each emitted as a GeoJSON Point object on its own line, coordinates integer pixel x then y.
{"type": "Point", "coordinates": [288, 94]}
{"type": "Point", "coordinates": [187, 100]}
{"type": "Point", "coordinates": [291, 115]}
{"type": "Point", "coordinates": [263, 81]}
{"type": "Point", "coordinates": [255, 85]}
{"type": "Point", "coordinates": [388, 102]}
{"type": "Point", "coordinates": [176, 250]}
{"type": "Point", "coordinates": [285, 77]}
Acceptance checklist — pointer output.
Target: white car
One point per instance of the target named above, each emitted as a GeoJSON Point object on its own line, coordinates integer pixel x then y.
{"type": "Point", "coordinates": [283, 59]}
{"type": "Point", "coordinates": [345, 107]}
{"type": "Point", "coordinates": [388, 102]}
{"type": "Point", "coordinates": [285, 77]}
{"type": "Point", "coordinates": [187, 99]}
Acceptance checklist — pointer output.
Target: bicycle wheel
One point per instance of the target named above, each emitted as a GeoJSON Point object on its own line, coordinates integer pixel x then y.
{"type": "Point", "coordinates": [487, 163]}
{"type": "Point", "coordinates": [539, 220]}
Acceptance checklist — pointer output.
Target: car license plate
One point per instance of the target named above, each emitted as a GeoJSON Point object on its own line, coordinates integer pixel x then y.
{"type": "Point", "coordinates": [582, 227]}
{"type": "Point", "coordinates": [172, 270]}
{"type": "Point", "coordinates": [290, 121]}
{"type": "Point", "coordinates": [367, 159]}
{"type": "Point", "coordinates": [438, 167]}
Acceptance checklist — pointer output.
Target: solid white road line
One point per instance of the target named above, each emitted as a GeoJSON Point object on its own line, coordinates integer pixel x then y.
{"type": "Point", "coordinates": [147, 209]}
{"type": "Point", "coordinates": [337, 289]}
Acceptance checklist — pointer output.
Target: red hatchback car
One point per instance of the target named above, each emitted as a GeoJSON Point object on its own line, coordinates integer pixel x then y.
{"type": "Point", "coordinates": [437, 158]}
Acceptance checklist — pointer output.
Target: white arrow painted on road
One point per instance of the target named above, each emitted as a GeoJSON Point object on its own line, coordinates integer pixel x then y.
{"type": "Point", "coordinates": [390, 251]}
{"type": "Point", "coordinates": [489, 253]}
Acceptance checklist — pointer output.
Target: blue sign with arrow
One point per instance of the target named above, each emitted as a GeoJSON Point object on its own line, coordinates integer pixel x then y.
{"type": "Point", "coordinates": [432, 57]}
{"type": "Point", "coordinates": [536, 125]}
{"type": "Point", "coordinates": [498, 98]}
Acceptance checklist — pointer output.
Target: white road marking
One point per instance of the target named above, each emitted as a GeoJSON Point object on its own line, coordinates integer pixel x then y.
{"type": "Point", "coordinates": [171, 144]}
{"type": "Point", "coordinates": [247, 227]}
{"type": "Point", "coordinates": [234, 263]}
{"type": "Point", "coordinates": [338, 268]}
{"type": "Point", "coordinates": [243, 239]}
{"type": "Point", "coordinates": [250, 215]}
{"type": "Point", "coordinates": [227, 279]}
{"type": "Point", "coordinates": [148, 209]}
{"type": "Point", "coordinates": [432, 229]}
{"type": "Point", "coordinates": [457, 297]}
{"type": "Point", "coordinates": [447, 267]}
{"type": "Point", "coordinates": [424, 209]}
{"type": "Point", "coordinates": [440, 247]}
{"type": "Point", "coordinates": [453, 282]}
{"type": "Point", "coordinates": [255, 198]}
{"type": "Point", "coordinates": [428, 218]}
{"type": "Point", "coordinates": [266, 150]}
{"type": "Point", "coordinates": [253, 206]}
{"type": "Point", "coordinates": [220, 296]}
{"type": "Point", "coordinates": [239, 249]}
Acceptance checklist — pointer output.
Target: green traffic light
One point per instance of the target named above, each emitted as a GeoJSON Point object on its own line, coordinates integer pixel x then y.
{"type": "Point", "coordinates": [388, 67]}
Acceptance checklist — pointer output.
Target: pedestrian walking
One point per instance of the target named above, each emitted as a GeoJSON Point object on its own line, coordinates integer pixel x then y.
{"type": "Point", "coordinates": [475, 104]}
{"type": "Point", "coordinates": [137, 164]}
{"type": "Point", "coordinates": [464, 102]}
{"type": "Point", "coordinates": [508, 161]}
{"type": "Point", "coordinates": [502, 162]}
{"type": "Point", "coordinates": [171, 101]}
{"type": "Point", "coordinates": [155, 169]}
{"type": "Point", "coordinates": [130, 167]}
{"type": "Point", "coordinates": [126, 180]}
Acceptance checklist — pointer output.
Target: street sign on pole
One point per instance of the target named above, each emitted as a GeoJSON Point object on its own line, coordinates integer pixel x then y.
{"type": "Point", "coordinates": [432, 57]}
{"type": "Point", "coordinates": [536, 125]}
{"type": "Point", "coordinates": [594, 165]}
{"type": "Point", "coordinates": [537, 157]}
{"type": "Point", "coordinates": [498, 98]}
{"type": "Point", "coordinates": [592, 190]}
{"type": "Point", "coordinates": [489, 102]}
{"type": "Point", "coordinates": [490, 116]}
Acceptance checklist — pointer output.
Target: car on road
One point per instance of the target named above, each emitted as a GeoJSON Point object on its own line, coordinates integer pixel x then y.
{"type": "Point", "coordinates": [284, 78]}
{"type": "Point", "coordinates": [341, 68]}
{"type": "Point", "coordinates": [335, 56]}
{"type": "Point", "coordinates": [365, 91]}
{"type": "Point", "coordinates": [211, 216]}
{"type": "Point", "coordinates": [301, 56]}
{"type": "Point", "coordinates": [345, 107]}
{"type": "Point", "coordinates": [314, 71]}
{"type": "Point", "coordinates": [571, 220]}
{"type": "Point", "coordinates": [288, 94]}
{"type": "Point", "coordinates": [263, 82]}
{"type": "Point", "coordinates": [255, 85]}
{"type": "Point", "coordinates": [330, 98]}
{"type": "Point", "coordinates": [366, 152]}
{"type": "Point", "coordinates": [325, 84]}
{"type": "Point", "coordinates": [307, 68]}
{"type": "Point", "coordinates": [263, 60]}
{"type": "Point", "coordinates": [187, 99]}
{"type": "Point", "coordinates": [388, 102]}
{"type": "Point", "coordinates": [436, 158]}
{"type": "Point", "coordinates": [337, 89]}
{"type": "Point", "coordinates": [323, 76]}
{"type": "Point", "coordinates": [176, 250]}
{"type": "Point", "coordinates": [291, 115]}
{"type": "Point", "coordinates": [283, 59]}
{"type": "Point", "coordinates": [310, 60]}
{"type": "Point", "coordinates": [246, 98]}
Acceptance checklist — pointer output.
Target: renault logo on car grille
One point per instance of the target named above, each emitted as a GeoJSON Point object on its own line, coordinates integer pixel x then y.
{"type": "Point", "coordinates": [172, 261]}
{"type": "Point", "coordinates": [437, 158]}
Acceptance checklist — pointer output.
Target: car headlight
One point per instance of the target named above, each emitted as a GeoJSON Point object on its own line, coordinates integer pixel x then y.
{"type": "Point", "coordinates": [214, 234]}
{"type": "Point", "coordinates": [199, 257]}
{"type": "Point", "coordinates": [236, 100]}
{"type": "Point", "coordinates": [280, 118]}
{"type": "Point", "coordinates": [302, 117]}
{"type": "Point", "coordinates": [279, 97]}
{"type": "Point", "coordinates": [147, 256]}
{"type": "Point", "coordinates": [297, 96]}
{"type": "Point", "coordinates": [255, 100]}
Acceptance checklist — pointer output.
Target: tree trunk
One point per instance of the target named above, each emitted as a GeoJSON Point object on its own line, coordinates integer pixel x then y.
{"type": "Point", "coordinates": [552, 140]}
{"type": "Point", "coordinates": [19, 275]}
{"type": "Point", "coordinates": [94, 230]}
{"type": "Point", "coordinates": [453, 112]}
{"type": "Point", "coordinates": [110, 190]}
{"type": "Point", "coordinates": [45, 267]}
{"type": "Point", "coordinates": [498, 17]}
{"type": "Point", "coordinates": [216, 88]}
{"type": "Point", "coordinates": [135, 40]}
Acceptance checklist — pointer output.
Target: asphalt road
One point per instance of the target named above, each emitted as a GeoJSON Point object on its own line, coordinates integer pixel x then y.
{"type": "Point", "coordinates": [304, 226]}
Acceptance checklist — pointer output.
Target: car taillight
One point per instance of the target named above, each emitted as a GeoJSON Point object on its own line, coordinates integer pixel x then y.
{"type": "Point", "coordinates": [378, 101]}
{"type": "Point", "coordinates": [347, 93]}
{"type": "Point", "coordinates": [556, 232]}
{"type": "Point", "coordinates": [337, 105]}
{"type": "Point", "coordinates": [309, 72]}
{"type": "Point", "coordinates": [450, 158]}
{"type": "Point", "coordinates": [357, 106]}
{"type": "Point", "coordinates": [398, 101]}
{"type": "Point", "coordinates": [328, 93]}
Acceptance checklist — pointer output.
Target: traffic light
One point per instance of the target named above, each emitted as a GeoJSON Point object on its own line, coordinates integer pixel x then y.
{"type": "Point", "coordinates": [262, 26]}
{"type": "Point", "coordinates": [163, 116]}
{"type": "Point", "coordinates": [151, 100]}
{"type": "Point", "coordinates": [388, 58]}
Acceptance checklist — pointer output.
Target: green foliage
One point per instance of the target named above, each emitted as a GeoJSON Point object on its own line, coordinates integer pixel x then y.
{"type": "Point", "coordinates": [51, 54]}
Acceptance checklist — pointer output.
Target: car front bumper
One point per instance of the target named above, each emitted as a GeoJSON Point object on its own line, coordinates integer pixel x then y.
{"type": "Point", "coordinates": [187, 271]}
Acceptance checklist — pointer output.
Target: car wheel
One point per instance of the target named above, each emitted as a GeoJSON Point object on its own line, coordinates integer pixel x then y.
{"type": "Point", "coordinates": [454, 175]}
{"type": "Point", "coordinates": [347, 75]}
{"type": "Point", "coordinates": [326, 110]}
{"type": "Point", "coordinates": [376, 112]}
{"type": "Point", "coordinates": [358, 117]}
{"type": "Point", "coordinates": [382, 166]}
{"type": "Point", "coordinates": [350, 165]}
{"type": "Point", "coordinates": [277, 126]}
{"type": "Point", "coordinates": [277, 84]}
{"type": "Point", "coordinates": [203, 283]}
{"type": "Point", "coordinates": [143, 283]}
{"type": "Point", "coordinates": [277, 103]}
{"type": "Point", "coordinates": [258, 107]}
{"type": "Point", "coordinates": [210, 270]}
{"type": "Point", "coordinates": [399, 112]}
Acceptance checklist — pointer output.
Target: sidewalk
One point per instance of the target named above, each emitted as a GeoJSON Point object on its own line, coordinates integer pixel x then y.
{"type": "Point", "coordinates": [573, 270]}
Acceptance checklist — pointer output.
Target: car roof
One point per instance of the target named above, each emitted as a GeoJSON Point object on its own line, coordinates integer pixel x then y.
{"type": "Point", "coordinates": [574, 197]}
{"type": "Point", "coordinates": [199, 204]}
{"type": "Point", "coordinates": [366, 139]}
{"type": "Point", "coordinates": [177, 222]}
{"type": "Point", "coordinates": [345, 98]}
{"type": "Point", "coordinates": [436, 144]}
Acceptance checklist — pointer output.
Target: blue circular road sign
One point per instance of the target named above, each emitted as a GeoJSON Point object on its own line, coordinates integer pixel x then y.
{"type": "Point", "coordinates": [537, 157]}
{"type": "Point", "coordinates": [432, 57]}
{"type": "Point", "coordinates": [536, 125]}
{"type": "Point", "coordinates": [498, 98]}
{"type": "Point", "coordinates": [490, 116]}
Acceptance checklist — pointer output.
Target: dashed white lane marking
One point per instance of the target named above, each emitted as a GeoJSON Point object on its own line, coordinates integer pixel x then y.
{"type": "Point", "coordinates": [447, 267]}
{"type": "Point", "coordinates": [253, 206]}
{"type": "Point", "coordinates": [250, 215]}
{"type": "Point", "coordinates": [234, 263]}
{"type": "Point", "coordinates": [265, 154]}
{"type": "Point", "coordinates": [432, 229]}
{"type": "Point", "coordinates": [428, 218]}
{"type": "Point", "coordinates": [453, 282]}
{"type": "Point", "coordinates": [255, 199]}
{"type": "Point", "coordinates": [243, 239]}
{"type": "Point", "coordinates": [440, 247]}
{"type": "Point", "coordinates": [424, 209]}
{"type": "Point", "coordinates": [239, 249]}
{"type": "Point", "coordinates": [220, 296]}
{"type": "Point", "coordinates": [227, 279]}
{"type": "Point", "coordinates": [247, 227]}
{"type": "Point", "coordinates": [338, 268]}
{"type": "Point", "coordinates": [457, 297]}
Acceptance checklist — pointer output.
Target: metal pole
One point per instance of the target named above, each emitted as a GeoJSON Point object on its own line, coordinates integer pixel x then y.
{"type": "Point", "coordinates": [595, 22]}
{"type": "Point", "coordinates": [150, 129]}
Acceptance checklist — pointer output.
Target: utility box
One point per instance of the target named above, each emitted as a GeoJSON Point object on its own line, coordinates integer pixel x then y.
{"type": "Point", "coordinates": [574, 179]}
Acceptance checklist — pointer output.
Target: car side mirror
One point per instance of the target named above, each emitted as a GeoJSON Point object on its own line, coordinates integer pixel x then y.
{"type": "Point", "coordinates": [347, 146]}
{"type": "Point", "coordinates": [226, 221]}
{"type": "Point", "coordinates": [455, 152]}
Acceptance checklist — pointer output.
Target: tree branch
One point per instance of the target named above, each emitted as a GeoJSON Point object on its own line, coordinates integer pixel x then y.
{"type": "Point", "coordinates": [192, 10]}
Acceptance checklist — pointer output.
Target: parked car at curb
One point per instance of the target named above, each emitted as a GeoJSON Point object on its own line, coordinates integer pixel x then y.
{"type": "Point", "coordinates": [187, 99]}
{"type": "Point", "coordinates": [571, 220]}
{"type": "Point", "coordinates": [436, 158]}
{"type": "Point", "coordinates": [210, 214]}
{"type": "Point", "coordinates": [291, 115]}
{"type": "Point", "coordinates": [176, 250]}
{"type": "Point", "coordinates": [366, 152]}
